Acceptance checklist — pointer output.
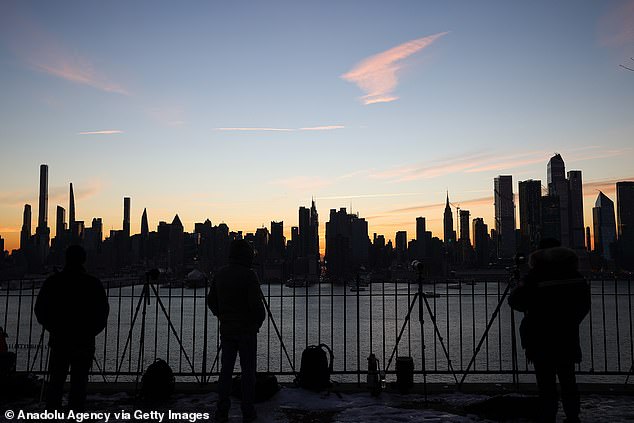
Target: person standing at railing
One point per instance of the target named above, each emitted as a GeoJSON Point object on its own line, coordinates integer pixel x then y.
{"type": "Point", "coordinates": [236, 299]}
{"type": "Point", "coordinates": [73, 307]}
{"type": "Point", "coordinates": [555, 299]}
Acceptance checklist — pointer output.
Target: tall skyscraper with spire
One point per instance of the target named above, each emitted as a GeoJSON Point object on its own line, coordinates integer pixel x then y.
{"type": "Point", "coordinates": [71, 208]}
{"type": "Point", "coordinates": [448, 232]}
{"type": "Point", "coordinates": [314, 229]}
{"type": "Point", "coordinates": [145, 227]}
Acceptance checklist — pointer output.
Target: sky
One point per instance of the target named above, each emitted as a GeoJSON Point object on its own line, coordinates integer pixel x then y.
{"type": "Point", "coordinates": [241, 112]}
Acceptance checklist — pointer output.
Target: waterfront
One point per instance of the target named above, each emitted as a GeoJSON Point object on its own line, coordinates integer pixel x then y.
{"type": "Point", "coordinates": [352, 323]}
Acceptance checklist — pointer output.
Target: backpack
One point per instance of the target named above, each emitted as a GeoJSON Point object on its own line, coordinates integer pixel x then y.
{"type": "Point", "coordinates": [266, 386]}
{"type": "Point", "coordinates": [157, 383]}
{"type": "Point", "coordinates": [315, 370]}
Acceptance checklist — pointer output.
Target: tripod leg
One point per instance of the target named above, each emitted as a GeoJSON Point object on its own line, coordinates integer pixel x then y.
{"type": "Point", "coordinates": [485, 334]}
{"type": "Point", "coordinates": [440, 338]}
{"type": "Point", "coordinates": [279, 335]}
{"type": "Point", "coordinates": [129, 338]}
{"type": "Point", "coordinates": [171, 326]}
{"type": "Point", "coordinates": [400, 334]}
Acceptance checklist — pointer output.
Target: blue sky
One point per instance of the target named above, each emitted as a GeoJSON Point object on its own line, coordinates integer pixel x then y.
{"type": "Point", "coordinates": [478, 89]}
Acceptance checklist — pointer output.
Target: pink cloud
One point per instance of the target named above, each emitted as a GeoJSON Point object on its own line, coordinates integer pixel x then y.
{"type": "Point", "coordinates": [376, 75]}
{"type": "Point", "coordinates": [42, 51]}
{"type": "Point", "coordinates": [105, 132]}
{"type": "Point", "coordinates": [616, 27]}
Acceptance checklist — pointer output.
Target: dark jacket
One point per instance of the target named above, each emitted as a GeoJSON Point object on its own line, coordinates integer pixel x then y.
{"type": "Point", "coordinates": [236, 299]}
{"type": "Point", "coordinates": [72, 305]}
{"type": "Point", "coordinates": [555, 299]}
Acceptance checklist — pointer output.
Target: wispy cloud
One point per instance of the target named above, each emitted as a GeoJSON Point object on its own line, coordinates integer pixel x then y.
{"type": "Point", "coordinates": [376, 75]}
{"type": "Point", "coordinates": [271, 129]}
{"type": "Point", "coordinates": [474, 163]}
{"type": "Point", "coordinates": [385, 195]}
{"type": "Point", "coordinates": [105, 132]}
{"type": "Point", "coordinates": [607, 186]}
{"type": "Point", "coordinates": [43, 52]}
{"type": "Point", "coordinates": [616, 27]}
{"type": "Point", "coordinates": [75, 69]}
{"type": "Point", "coordinates": [56, 194]}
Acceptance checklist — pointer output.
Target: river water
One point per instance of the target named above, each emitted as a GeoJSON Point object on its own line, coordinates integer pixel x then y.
{"type": "Point", "coordinates": [353, 324]}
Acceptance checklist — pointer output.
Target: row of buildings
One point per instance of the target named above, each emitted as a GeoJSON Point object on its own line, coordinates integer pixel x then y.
{"type": "Point", "coordinates": [551, 211]}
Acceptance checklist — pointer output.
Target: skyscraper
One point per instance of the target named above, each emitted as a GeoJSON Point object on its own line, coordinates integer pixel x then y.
{"type": "Point", "coordinates": [71, 208]}
{"type": "Point", "coordinates": [625, 221]}
{"type": "Point", "coordinates": [558, 187]}
{"type": "Point", "coordinates": [42, 220]}
{"type": "Point", "coordinates": [25, 233]}
{"type": "Point", "coordinates": [314, 230]}
{"type": "Point", "coordinates": [60, 223]}
{"type": "Point", "coordinates": [42, 232]}
{"type": "Point", "coordinates": [575, 185]}
{"type": "Point", "coordinates": [304, 231]}
{"type": "Point", "coordinates": [464, 227]}
{"type": "Point", "coordinates": [448, 231]}
{"type": "Point", "coordinates": [145, 228]}
{"type": "Point", "coordinates": [604, 225]}
{"type": "Point", "coordinates": [421, 243]}
{"type": "Point", "coordinates": [530, 195]}
{"type": "Point", "coordinates": [504, 216]}
{"type": "Point", "coordinates": [276, 240]}
{"type": "Point", "coordinates": [126, 216]}
{"type": "Point", "coordinates": [400, 241]}
{"type": "Point", "coordinates": [481, 241]}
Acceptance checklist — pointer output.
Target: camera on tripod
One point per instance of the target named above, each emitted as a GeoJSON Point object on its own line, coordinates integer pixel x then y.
{"type": "Point", "coordinates": [153, 274]}
{"type": "Point", "coordinates": [418, 266]}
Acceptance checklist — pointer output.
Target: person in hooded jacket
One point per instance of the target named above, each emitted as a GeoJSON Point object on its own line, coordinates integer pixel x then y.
{"type": "Point", "coordinates": [236, 299]}
{"type": "Point", "coordinates": [555, 299]}
{"type": "Point", "coordinates": [73, 307]}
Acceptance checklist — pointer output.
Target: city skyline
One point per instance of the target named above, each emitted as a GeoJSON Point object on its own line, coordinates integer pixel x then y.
{"type": "Point", "coordinates": [45, 224]}
{"type": "Point", "coordinates": [307, 101]}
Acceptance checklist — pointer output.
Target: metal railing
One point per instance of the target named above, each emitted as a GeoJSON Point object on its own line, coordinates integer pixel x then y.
{"type": "Point", "coordinates": [353, 323]}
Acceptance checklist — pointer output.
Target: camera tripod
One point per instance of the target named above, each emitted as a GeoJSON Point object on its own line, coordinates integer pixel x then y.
{"type": "Point", "coordinates": [277, 332]}
{"type": "Point", "coordinates": [513, 279]}
{"type": "Point", "coordinates": [418, 266]}
{"type": "Point", "coordinates": [144, 300]}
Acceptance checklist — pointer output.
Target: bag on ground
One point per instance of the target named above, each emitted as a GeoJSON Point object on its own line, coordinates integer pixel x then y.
{"type": "Point", "coordinates": [316, 368]}
{"type": "Point", "coordinates": [157, 383]}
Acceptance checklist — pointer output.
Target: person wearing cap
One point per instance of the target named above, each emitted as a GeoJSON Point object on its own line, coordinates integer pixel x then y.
{"type": "Point", "coordinates": [73, 307]}
{"type": "Point", "coordinates": [236, 299]}
{"type": "Point", "coordinates": [555, 298]}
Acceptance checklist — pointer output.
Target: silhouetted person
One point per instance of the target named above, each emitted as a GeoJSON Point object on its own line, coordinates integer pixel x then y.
{"type": "Point", "coordinates": [236, 299]}
{"type": "Point", "coordinates": [73, 307]}
{"type": "Point", "coordinates": [555, 299]}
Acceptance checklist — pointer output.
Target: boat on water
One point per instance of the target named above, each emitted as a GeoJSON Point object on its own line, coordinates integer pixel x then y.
{"type": "Point", "coordinates": [429, 294]}
{"type": "Point", "coordinates": [357, 288]}
{"type": "Point", "coordinates": [454, 286]}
